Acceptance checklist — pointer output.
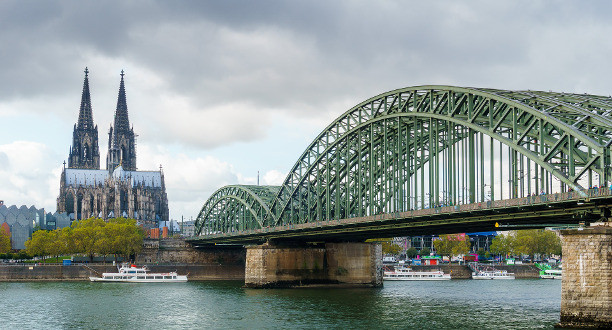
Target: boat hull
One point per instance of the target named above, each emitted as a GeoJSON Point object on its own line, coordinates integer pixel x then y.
{"type": "Point", "coordinates": [130, 280]}
{"type": "Point", "coordinates": [484, 277]}
{"type": "Point", "coordinates": [416, 279]}
{"type": "Point", "coordinates": [551, 277]}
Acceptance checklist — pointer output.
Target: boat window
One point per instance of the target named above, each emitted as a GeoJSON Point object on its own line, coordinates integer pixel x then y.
{"type": "Point", "coordinates": [140, 277]}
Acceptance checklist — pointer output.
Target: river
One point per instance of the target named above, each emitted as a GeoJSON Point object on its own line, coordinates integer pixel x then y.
{"type": "Point", "coordinates": [455, 304]}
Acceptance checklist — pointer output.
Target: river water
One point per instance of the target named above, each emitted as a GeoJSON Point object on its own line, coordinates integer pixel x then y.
{"type": "Point", "coordinates": [455, 304]}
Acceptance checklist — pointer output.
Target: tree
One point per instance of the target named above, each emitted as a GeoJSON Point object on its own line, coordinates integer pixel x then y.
{"type": "Point", "coordinates": [411, 252]}
{"type": "Point", "coordinates": [391, 248]}
{"type": "Point", "coordinates": [461, 246]}
{"type": "Point", "coordinates": [452, 245]}
{"type": "Point", "coordinates": [38, 244]}
{"type": "Point", "coordinates": [85, 234]}
{"type": "Point", "coordinates": [536, 241]}
{"type": "Point", "coordinates": [444, 246]}
{"type": "Point", "coordinates": [502, 244]}
{"type": "Point", "coordinates": [5, 241]}
{"type": "Point", "coordinates": [55, 245]}
{"type": "Point", "coordinates": [481, 253]}
{"type": "Point", "coordinates": [425, 251]}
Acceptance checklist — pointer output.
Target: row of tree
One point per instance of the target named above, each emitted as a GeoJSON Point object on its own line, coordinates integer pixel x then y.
{"type": "Point", "coordinates": [522, 242]}
{"type": "Point", "coordinates": [90, 237]}
{"type": "Point", "coordinates": [527, 242]}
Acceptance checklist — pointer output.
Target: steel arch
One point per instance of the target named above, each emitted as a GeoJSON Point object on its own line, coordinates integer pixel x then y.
{"type": "Point", "coordinates": [370, 159]}
{"type": "Point", "coordinates": [235, 207]}
{"type": "Point", "coordinates": [543, 126]}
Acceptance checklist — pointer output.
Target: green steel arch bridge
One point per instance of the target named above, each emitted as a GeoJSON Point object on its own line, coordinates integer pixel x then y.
{"type": "Point", "coordinates": [432, 159]}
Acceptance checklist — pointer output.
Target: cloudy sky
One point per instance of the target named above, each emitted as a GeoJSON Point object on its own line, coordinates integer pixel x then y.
{"type": "Point", "coordinates": [219, 90]}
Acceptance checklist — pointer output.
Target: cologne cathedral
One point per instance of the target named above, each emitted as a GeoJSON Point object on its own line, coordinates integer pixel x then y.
{"type": "Point", "coordinates": [120, 190]}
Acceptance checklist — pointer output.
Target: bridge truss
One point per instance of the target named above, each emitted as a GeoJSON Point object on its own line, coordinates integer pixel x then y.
{"type": "Point", "coordinates": [426, 147]}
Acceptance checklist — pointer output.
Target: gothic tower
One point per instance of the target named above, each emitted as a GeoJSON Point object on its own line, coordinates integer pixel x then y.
{"type": "Point", "coordinates": [121, 138]}
{"type": "Point", "coordinates": [84, 152]}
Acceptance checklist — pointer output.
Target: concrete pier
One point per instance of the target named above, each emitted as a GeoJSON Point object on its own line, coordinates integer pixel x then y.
{"type": "Point", "coordinates": [586, 297]}
{"type": "Point", "coordinates": [345, 264]}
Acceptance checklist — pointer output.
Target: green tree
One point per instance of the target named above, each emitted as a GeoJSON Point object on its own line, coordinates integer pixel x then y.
{"type": "Point", "coordinates": [425, 251]}
{"type": "Point", "coordinates": [390, 248]}
{"type": "Point", "coordinates": [38, 244]}
{"type": "Point", "coordinates": [444, 246]}
{"type": "Point", "coordinates": [55, 245]}
{"type": "Point", "coordinates": [481, 253]}
{"type": "Point", "coordinates": [502, 245]}
{"type": "Point", "coordinates": [5, 241]}
{"type": "Point", "coordinates": [452, 245]}
{"type": "Point", "coordinates": [536, 241]}
{"type": "Point", "coordinates": [85, 234]}
{"type": "Point", "coordinates": [461, 246]}
{"type": "Point", "coordinates": [411, 252]}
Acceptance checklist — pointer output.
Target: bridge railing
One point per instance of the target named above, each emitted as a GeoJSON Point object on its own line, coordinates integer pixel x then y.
{"type": "Point", "coordinates": [487, 205]}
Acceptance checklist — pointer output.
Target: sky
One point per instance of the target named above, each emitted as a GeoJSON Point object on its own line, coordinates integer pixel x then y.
{"type": "Point", "coordinates": [219, 91]}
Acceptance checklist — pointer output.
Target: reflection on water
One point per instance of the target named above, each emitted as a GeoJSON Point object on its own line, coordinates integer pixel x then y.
{"type": "Point", "coordinates": [418, 305]}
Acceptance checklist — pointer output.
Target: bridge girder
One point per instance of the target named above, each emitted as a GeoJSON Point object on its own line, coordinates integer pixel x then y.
{"type": "Point", "coordinates": [374, 158]}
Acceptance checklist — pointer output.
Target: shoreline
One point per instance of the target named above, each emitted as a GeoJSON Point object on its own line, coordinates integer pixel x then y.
{"type": "Point", "coordinates": [82, 272]}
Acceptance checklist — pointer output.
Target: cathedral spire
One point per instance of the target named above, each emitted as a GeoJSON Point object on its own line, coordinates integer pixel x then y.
{"type": "Point", "coordinates": [85, 112]}
{"type": "Point", "coordinates": [84, 152]}
{"type": "Point", "coordinates": [122, 122]}
{"type": "Point", "coordinates": [121, 138]}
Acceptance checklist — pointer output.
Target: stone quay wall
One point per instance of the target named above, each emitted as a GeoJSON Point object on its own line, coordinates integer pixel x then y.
{"type": "Point", "coordinates": [586, 294]}
{"type": "Point", "coordinates": [77, 272]}
{"type": "Point", "coordinates": [161, 256]}
{"type": "Point", "coordinates": [456, 271]}
{"type": "Point", "coordinates": [176, 250]}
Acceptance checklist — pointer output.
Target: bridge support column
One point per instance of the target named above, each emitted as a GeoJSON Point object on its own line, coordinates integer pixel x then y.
{"type": "Point", "coordinates": [586, 298]}
{"type": "Point", "coordinates": [343, 264]}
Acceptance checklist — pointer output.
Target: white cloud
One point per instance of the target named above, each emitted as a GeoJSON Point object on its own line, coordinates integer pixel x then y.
{"type": "Point", "coordinates": [29, 175]}
{"type": "Point", "coordinates": [189, 180]}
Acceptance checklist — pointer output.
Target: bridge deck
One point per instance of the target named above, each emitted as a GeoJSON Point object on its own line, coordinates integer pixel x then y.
{"type": "Point", "coordinates": [527, 212]}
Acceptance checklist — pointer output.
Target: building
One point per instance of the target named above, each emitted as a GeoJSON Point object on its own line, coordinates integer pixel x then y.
{"type": "Point", "coordinates": [120, 190]}
{"type": "Point", "coordinates": [188, 228]}
{"type": "Point", "coordinates": [22, 221]}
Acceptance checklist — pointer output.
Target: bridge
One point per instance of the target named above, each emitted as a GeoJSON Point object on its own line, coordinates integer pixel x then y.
{"type": "Point", "coordinates": [430, 147]}
{"type": "Point", "coordinates": [431, 159]}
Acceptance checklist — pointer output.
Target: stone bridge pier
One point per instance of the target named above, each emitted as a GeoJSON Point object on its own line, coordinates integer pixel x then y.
{"type": "Point", "coordinates": [273, 265]}
{"type": "Point", "coordinates": [586, 296]}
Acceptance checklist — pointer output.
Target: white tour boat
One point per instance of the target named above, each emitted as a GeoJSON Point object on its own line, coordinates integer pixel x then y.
{"type": "Point", "coordinates": [131, 273]}
{"type": "Point", "coordinates": [552, 274]}
{"type": "Point", "coordinates": [493, 275]}
{"type": "Point", "coordinates": [407, 274]}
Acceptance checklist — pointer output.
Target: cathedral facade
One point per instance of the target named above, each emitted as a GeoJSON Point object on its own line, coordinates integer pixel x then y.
{"type": "Point", "coordinates": [120, 190]}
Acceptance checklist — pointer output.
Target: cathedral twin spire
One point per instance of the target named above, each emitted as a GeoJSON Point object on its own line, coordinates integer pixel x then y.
{"type": "Point", "coordinates": [84, 152]}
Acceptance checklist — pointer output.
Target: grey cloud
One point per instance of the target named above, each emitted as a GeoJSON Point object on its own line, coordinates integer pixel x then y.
{"type": "Point", "coordinates": [291, 57]}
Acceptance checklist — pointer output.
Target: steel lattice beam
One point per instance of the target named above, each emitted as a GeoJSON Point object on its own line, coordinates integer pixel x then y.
{"type": "Point", "coordinates": [418, 147]}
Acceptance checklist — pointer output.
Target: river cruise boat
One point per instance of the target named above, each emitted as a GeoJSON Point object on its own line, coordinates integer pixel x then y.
{"type": "Point", "coordinates": [407, 274]}
{"type": "Point", "coordinates": [552, 274]}
{"type": "Point", "coordinates": [492, 275]}
{"type": "Point", "coordinates": [131, 273]}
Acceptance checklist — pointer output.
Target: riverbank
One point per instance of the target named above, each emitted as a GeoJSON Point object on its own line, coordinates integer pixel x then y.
{"type": "Point", "coordinates": [78, 272]}
{"type": "Point", "coordinates": [200, 272]}
{"type": "Point", "coordinates": [464, 272]}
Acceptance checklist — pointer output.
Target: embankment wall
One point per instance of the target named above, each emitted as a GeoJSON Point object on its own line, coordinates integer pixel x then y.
{"type": "Point", "coordinates": [41, 272]}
